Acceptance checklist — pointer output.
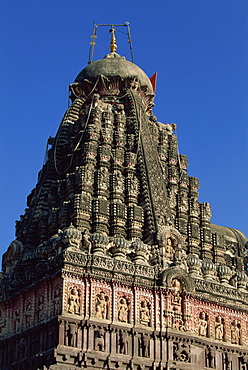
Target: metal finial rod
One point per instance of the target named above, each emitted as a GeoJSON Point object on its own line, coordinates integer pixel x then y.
{"type": "Point", "coordinates": [113, 45]}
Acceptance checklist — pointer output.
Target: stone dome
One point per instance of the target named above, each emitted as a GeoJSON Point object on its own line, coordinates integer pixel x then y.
{"type": "Point", "coordinates": [114, 65]}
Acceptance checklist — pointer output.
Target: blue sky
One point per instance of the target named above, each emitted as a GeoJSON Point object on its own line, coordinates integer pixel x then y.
{"type": "Point", "coordinates": [198, 48]}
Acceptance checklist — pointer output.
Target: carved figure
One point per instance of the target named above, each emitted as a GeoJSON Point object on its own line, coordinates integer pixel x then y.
{"type": "Point", "coordinates": [219, 328]}
{"type": "Point", "coordinates": [57, 301]}
{"type": "Point", "coordinates": [71, 333]}
{"type": "Point", "coordinates": [74, 302]}
{"type": "Point", "coordinates": [101, 306]}
{"type": "Point", "coordinates": [181, 352]}
{"type": "Point", "coordinates": [180, 257]}
{"type": "Point", "coordinates": [41, 308]}
{"type": "Point", "coordinates": [22, 349]}
{"type": "Point", "coordinates": [203, 327]}
{"type": "Point", "coordinates": [17, 320]}
{"type": "Point", "coordinates": [169, 247]}
{"type": "Point", "coordinates": [235, 332]}
{"type": "Point", "coordinates": [86, 240]}
{"type": "Point", "coordinates": [144, 313]}
{"type": "Point", "coordinates": [123, 341]}
{"type": "Point", "coordinates": [28, 314]}
{"type": "Point", "coordinates": [123, 310]}
{"type": "Point", "coordinates": [99, 340]}
{"type": "Point", "coordinates": [176, 287]}
{"type": "Point", "coordinates": [226, 361]}
{"type": "Point", "coordinates": [210, 357]}
{"type": "Point", "coordinates": [145, 343]}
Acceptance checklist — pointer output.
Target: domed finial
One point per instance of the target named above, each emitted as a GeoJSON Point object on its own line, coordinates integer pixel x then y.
{"type": "Point", "coordinates": [113, 45]}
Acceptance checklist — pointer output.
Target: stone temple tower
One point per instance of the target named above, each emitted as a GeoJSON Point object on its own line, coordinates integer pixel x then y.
{"type": "Point", "coordinates": [116, 264]}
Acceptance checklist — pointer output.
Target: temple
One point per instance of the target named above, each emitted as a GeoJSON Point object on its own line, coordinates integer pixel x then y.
{"type": "Point", "coordinates": [116, 264]}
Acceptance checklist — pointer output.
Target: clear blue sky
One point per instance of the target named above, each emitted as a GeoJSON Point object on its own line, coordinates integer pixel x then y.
{"type": "Point", "coordinates": [199, 49]}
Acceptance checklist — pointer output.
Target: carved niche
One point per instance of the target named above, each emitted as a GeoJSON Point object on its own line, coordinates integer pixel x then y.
{"type": "Point", "coordinates": [28, 314]}
{"type": "Point", "coordinates": [102, 306]}
{"type": "Point", "coordinates": [169, 239]}
{"type": "Point", "coordinates": [74, 301]}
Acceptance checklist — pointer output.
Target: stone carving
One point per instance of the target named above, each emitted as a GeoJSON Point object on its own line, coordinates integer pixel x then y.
{"type": "Point", "coordinates": [41, 308]}
{"type": "Point", "coordinates": [101, 306]}
{"type": "Point", "coordinates": [56, 301]}
{"type": "Point", "coordinates": [210, 357]}
{"type": "Point", "coordinates": [74, 301]}
{"type": "Point", "coordinates": [17, 320]}
{"type": "Point", "coordinates": [145, 345]}
{"type": "Point", "coordinates": [227, 364]}
{"type": "Point", "coordinates": [176, 289]}
{"type": "Point", "coordinates": [99, 340]}
{"type": "Point", "coordinates": [235, 332]}
{"type": "Point", "coordinates": [71, 334]}
{"type": "Point", "coordinates": [145, 313]}
{"type": "Point", "coordinates": [219, 328]}
{"type": "Point", "coordinates": [22, 349]}
{"type": "Point", "coordinates": [28, 314]}
{"type": "Point", "coordinates": [203, 326]}
{"type": "Point", "coordinates": [180, 257]}
{"type": "Point", "coordinates": [123, 310]}
{"type": "Point", "coordinates": [123, 342]}
{"type": "Point", "coordinates": [86, 243]}
{"type": "Point", "coordinates": [181, 352]}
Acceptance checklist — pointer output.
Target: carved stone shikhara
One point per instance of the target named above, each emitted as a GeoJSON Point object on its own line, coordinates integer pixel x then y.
{"type": "Point", "coordinates": [116, 263]}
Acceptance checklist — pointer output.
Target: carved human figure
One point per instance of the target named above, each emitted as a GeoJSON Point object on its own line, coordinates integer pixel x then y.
{"type": "Point", "coordinates": [145, 343]}
{"type": "Point", "coordinates": [226, 361]}
{"type": "Point", "coordinates": [17, 320]}
{"type": "Point", "coordinates": [71, 333]}
{"type": "Point", "coordinates": [74, 301]}
{"type": "Point", "coordinates": [22, 348]}
{"type": "Point", "coordinates": [99, 340]}
{"type": "Point", "coordinates": [210, 357]}
{"type": "Point", "coordinates": [41, 308]}
{"type": "Point", "coordinates": [203, 327]}
{"type": "Point", "coordinates": [86, 240]}
{"type": "Point", "coordinates": [101, 306]}
{"type": "Point", "coordinates": [123, 310]}
{"type": "Point", "coordinates": [123, 341]}
{"type": "Point", "coordinates": [219, 328]}
{"type": "Point", "coordinates": [56, 301]}
{"type": "Point", "coordinates": [176, 288]}
{"type": "Point", "coordinates": [28, 314]}
{"type": "Point", "coordinates": [235, 332]}
{"type": "Point", "coordinates": [144, 313]}
{"type": "Point", "coordinates": [180, 257]}
{"type": "Point", "coordinates": [169, 247]}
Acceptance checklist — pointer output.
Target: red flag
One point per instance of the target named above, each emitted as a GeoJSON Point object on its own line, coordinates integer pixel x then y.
{"type": "Point", "coordinates": [153, 80]}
